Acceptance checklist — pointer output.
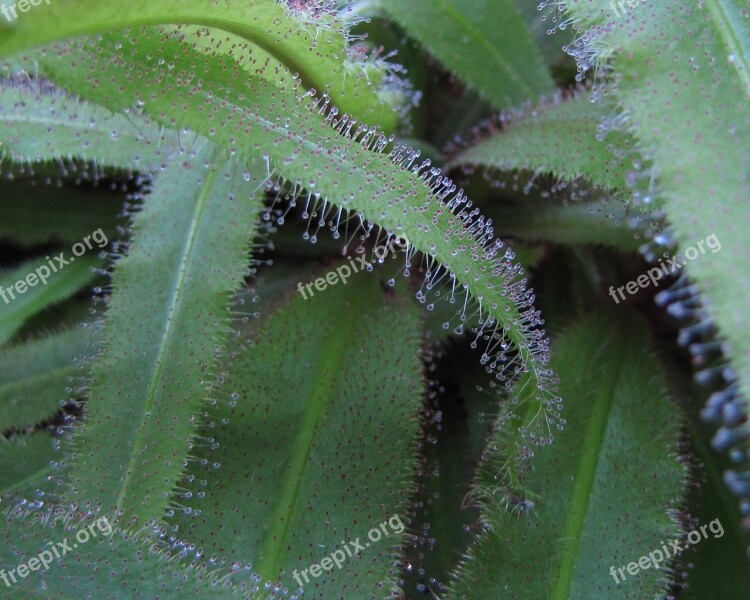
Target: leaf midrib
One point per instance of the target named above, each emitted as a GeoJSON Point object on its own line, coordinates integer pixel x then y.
{"type": "Point", "coordinates": [332, 354]}
{"type": "Point", "coordinates": [480, 40]}
{"type": "Point", "coordinates": [724, 27]}
{"type": "Point", "coordinates": [170, 323]}
{"type": "Point", "coordinates": [570, 538]}
{"type": "Point", "coordinates": [78, 125]}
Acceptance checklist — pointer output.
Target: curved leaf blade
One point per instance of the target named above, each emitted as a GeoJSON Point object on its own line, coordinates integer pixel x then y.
{"type": "Point", "coordinates": [557, 537]}
{"type": "Point", "coordinates": [40, 123]}
{"type": "Point", "coordinates": [309, 43]}
{"type": "Point", "coordinates": [167, 315]}
{"type": "Point", "coordinates": [558, 137]}
{"type": "Point", "coordinates": [351, 170]}
{"type": "Point", "coordinates": [310, 461]}
{"type": "Point", "coordinates": [511, 68]}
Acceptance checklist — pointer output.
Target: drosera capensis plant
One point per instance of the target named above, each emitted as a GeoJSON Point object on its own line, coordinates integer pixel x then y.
{"type": "Point", "coordinates": [234, 433]}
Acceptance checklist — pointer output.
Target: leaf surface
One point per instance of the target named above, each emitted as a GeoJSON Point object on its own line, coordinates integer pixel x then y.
{"type": "Point", "coordinates": [166, 318]}
{"type": "Point", "coordinates": [683, 86]}
{"type": "Point", "coordinates": [335, 172]}
{"type": "Point", "coordinates": [40, 123]}
{"type": "Point", "coordinates": [558, 137]}
{"type": "Point", "coordinates": [602, 496]}
{"type": "Point", "coordinates": [309, 42]}
{"type": "Point", "coordinates": [688, 107]}
{"type": "Point", "coordinates": [26, 465]}
{"type": "Point", "coordinates": [96, 560]}
{"type": "Point", "coordinates": [483, 42]}
{"type": "Point", "coordinates": [301, 466]}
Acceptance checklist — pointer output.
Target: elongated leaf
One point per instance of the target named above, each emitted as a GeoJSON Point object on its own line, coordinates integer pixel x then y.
{"type": "Point", "coordinates": [557, 137]}
{"type": "Point", "coordinates": [484, 42]}
{"type": "Point", "coordinates": [702, 168]}
{"type": "Point", "coordinates": [310, 463]}
{"type": "Point", "coordinates": [67, 315]}
{"type": "Point", "coordinates": [576, 223]}
{"type": "Point", "coordinates": [34, 376]}
{"type": "Point", "coordinates": [311, 42]}
{"type": "Point", "coordinates": [390, 191]}
{"type": "Point", "coordinates": [689, 108]}
{"type": "Point", "coordinates": [42, 124]}
{"type": "Point", "coordinates": [602, 496]}
{"type": "Point", "coordinates": [40, 283]}
{"type": "Point", "coordinates": [88, 557]}
{"type": "Point", "coordinates": [166, 318]}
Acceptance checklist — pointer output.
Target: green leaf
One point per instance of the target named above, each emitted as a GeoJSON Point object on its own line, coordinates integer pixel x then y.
{"type": "Point", "coordinates": [688, 107]}
{"type": "Point", "coordinates": [166, 318]}
{"type": "Point", "coordinates": [34, 376]}
{"type": "Point", "coordinates": [560, 138]}
{"type": "Point", "coordinates": [576, 223]}
{"type": "Point", "coordinates": [44, 282]}
{"type": "Point", "coordinates": [324, 456]}
{"type": "Point", "coordinates": [99, 560]}
{"type": "Point", "coordinates": [551, 41]}
{"type": "Point", "coordinates": [391, 191]}
{"type": "Point", "coordinates": [41, 123]}
{"type": "Point", "coordinates": [310, 42]}
{"type": "Point", "coordinates": [483, 42]}
{"type": "Point", "coordinates": [602, 496]}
